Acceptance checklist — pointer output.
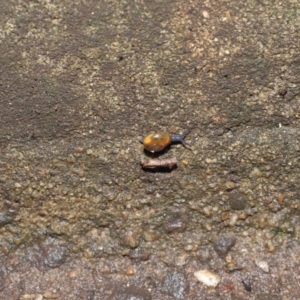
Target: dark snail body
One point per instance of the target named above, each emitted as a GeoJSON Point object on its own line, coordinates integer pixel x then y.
{"type": "Point", "coordinates": [177, 138]}
{"type": "Point", "coordinates": [158, 141]}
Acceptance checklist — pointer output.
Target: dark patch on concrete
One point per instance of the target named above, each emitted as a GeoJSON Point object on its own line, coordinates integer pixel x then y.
{"type": "Point", "coordinates": [130, 293]}
{"type": "Point", "coordinates": [176, 285]}
{"type": "Point", "coordinates": [6, 219]}
{"type": "Point", "coordinates": [47, 255]}
{"type": "Point", "coordinates": [175, 222]}
{"type": "Point", "coordinates": [35, 106]}
{"type": "Point", "coordinates": [237, 200]}
{"type": "Point", "coordinates": [224, 243]}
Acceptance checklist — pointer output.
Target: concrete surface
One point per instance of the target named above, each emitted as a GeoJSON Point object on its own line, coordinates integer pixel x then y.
{"type": "Point", "coordinates": [81, 81]}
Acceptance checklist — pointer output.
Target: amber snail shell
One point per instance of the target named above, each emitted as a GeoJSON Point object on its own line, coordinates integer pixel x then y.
{"type": "Point", "coordinates": [158, 141]}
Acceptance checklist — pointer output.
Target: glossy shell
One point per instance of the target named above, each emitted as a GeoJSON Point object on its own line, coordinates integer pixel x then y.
{"type": "Point", "coordinates": [157, 141]}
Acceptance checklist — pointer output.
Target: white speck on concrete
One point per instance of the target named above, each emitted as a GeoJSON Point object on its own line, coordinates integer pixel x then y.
{"type": "Point", "coordinates": [262, 264]}
{"type": "Point", "coordinates": [207, 277]}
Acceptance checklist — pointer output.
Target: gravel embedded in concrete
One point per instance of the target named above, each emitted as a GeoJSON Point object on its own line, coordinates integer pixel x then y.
{"type": "Point", "coordinates": [81, 80]}
{"type": "Point", "coordinates": [208, 278]}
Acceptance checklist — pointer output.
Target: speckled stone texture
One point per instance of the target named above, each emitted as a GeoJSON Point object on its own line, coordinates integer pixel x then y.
{"type": "Point", "coordinates": [81, 82]}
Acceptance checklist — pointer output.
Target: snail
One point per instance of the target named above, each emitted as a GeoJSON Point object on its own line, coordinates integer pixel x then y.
{"type": "Point", "coordinates": [158, 141]}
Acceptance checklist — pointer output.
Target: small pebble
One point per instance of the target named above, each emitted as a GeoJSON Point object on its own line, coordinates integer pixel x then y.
{"type": "Point", "coordinates": [79, 149]}
{"type": "Point", "coordinates": [207, 277]}
{"type": "Point", "coordinates": [231, 264]}
{"type": "Point", "coordinates": [5, 219]}
{"type": "Point", "coordinates": [89, 151]}
{"type": "Point", "coordinates": [207, 211]}
{"type": "Point", "coordinates": [232, 220]}
{"type": "Point", "coordinates": [130, 239]}
{"type": "Point", "coordinates": [261, 223]}
{"type": "Point", "coordinates": [31, 297]}
{"type": "Point", "coordinates": [224, 215]}
{"type": "Point", "coordinates": [181, 260]}
{"type": "Point", "coordinates": [208, 227]}
{"type": "Point", "coordinates": [205, 14]}
{"type": "Point", "coordinates": [87, 254]}
{"type": "Point", "coordinates": [242, 216]}
{"type": "Point", "coordinates": [280, 199]}
{"type": "Point", "coordinates": [72, 274]}
{"type": "Point", "coordinates": [184, 162]}
{"type": "Point", "coordinates": [50, 295]}
{"type": "Point", "coordinates": [150, 236]}
{"type": "Point", "coordinates": [175, 223]}
{"type": "Point", "coordinates": [224, 243]}
{"type": "Point", "coordinates": [237, 201]}
{"type": "Point", "coordinates": [262, 264]}
{"type": "Point", "coordinates": [255, 173]}
{"type": "Point", "coordinates": [130, 271]}
{"type": "Point", "coordinates": [247, 285]}
{"type": "Point", "coordinates": [270, 246]}
{"type": "Point", "coordinates": [229, 185]}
